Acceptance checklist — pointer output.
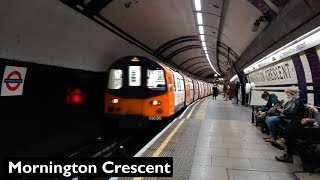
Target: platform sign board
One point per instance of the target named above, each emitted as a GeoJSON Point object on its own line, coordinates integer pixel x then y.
{"type": "Point", "coordinates": [13, 80]}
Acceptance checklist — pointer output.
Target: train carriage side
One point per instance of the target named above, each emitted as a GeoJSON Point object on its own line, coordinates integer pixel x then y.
{"type": "Point", "coordinates": [187, 90]}
{"type": "Point", "coordinates": [179, 91]}
{"type": "Point", "coordinates": [210, 89]}
{"type": "Point", "coordinates": [201, 88]}
{"type": "Point", "coordinates": [196, 89]}
{"type": "Point", "coordinates": [191, 87]}
{"type": "Point", "coordinates": [206, 90]}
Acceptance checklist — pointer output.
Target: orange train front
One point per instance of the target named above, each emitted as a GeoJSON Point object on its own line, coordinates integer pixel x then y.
{"type": "Point", "coordinates": [143, 88]}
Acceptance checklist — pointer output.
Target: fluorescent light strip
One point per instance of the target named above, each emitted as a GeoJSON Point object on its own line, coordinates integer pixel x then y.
{"type": "Point", "coordinates": [197, 4]}
{"type": "Point", "coordinates": [211, 64]}
{"type": "Point", "coordinates": [201, 30]}
{"type": "Point", "coordinates": [202, 38]}
{"type": "Point", "coordinates": [199, 18]}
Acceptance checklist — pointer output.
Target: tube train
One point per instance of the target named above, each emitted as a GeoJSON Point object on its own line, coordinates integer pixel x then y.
{"type": "Point", "coordinates": [139, 87]}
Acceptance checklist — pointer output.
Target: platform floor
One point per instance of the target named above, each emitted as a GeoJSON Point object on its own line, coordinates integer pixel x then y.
{"type": "Point", "coordinates": [216, 140]}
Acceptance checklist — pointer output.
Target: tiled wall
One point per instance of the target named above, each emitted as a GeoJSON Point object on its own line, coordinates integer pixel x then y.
{"type": "Point", "coordinates": [301, 70]}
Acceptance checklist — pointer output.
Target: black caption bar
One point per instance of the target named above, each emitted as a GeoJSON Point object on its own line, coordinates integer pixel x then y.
{"type": "Point", "coordinates": [90, 167]}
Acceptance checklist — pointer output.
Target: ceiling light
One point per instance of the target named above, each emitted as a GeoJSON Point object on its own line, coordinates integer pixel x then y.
{"type": "Point", "coordinates": [205, 48]}
{"type": "Point", "coordinates": [199, 18]}
{"type": "Point", "coordinates": [197, 4]}
{"type": "Point", "coordinates": [204, 44]}
{"type": "Point", "coordinates": [202, 37]}
{"type": "Point", "coordinates": [201, 30]}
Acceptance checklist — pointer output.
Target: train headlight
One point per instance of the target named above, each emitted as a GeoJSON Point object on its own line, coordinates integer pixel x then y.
{"type": "Point", "coordinates": [155, 102]}
{"type": "Point", "coordinates": [114, 101]}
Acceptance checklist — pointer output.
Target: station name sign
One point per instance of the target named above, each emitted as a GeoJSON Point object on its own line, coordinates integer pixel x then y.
{"type": "Point", "coordinates": [90, 167]}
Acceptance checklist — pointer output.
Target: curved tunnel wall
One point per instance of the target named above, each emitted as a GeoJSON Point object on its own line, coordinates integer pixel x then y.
{"type": "Point", "coordinates": [49, 32]}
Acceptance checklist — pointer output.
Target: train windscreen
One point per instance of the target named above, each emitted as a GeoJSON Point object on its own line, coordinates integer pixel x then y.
{"type": "Point", "coordinates": [156, 79]}
{"type": "Point", "coordinates": [115, 79]}
{"type": "Point", "coordinates": [136, 77]}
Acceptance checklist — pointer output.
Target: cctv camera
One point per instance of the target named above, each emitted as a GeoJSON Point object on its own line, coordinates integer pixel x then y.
{"type": "Point", "coordinates": [255, 26]}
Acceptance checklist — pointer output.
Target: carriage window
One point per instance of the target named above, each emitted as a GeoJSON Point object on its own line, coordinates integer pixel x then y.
{"type": "Point", "coordinates": [134, 75]}
{"type": "Point", "coordinates": [178, 84]}
{"type": "Point", "coordinates": [156, 80]}
{"type": "Point", "coordinates": [191, 85]}
{"type": "Point", "coordinates": [181, 85]}
{"type": "Point", "coordinates": [115, 79]}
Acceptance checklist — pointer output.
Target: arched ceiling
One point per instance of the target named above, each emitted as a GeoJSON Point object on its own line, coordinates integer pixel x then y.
{"type": "Point", "coordinates": [168, 29]}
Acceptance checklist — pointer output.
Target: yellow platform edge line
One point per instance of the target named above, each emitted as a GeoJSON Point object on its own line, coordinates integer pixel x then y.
{"type": "Point", "coordinates": [167, 140]}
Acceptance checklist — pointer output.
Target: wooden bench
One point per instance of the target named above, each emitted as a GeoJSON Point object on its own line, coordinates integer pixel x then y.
{"type": "Point", "coordinates": [256, 102]}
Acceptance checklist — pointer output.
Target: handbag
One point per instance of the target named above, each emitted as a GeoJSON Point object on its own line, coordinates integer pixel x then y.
{"type": "Point", "coordinates": [273, 110]}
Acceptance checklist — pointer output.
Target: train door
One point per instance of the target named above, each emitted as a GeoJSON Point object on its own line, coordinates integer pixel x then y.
{"type": "Point", "coordinates": [179, 91]}
{"type": "Point", "coordinates": [200, 89]}
{"type": "Point", "coordinates": [190, 84]}
{"type": "Point", "coordinates": [196, 89]}
{"type": "Point", "coordinates": [187, 90]}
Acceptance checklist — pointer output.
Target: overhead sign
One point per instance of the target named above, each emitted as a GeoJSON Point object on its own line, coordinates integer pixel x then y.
{"type": "Point", "coordinates": [300, 44]}
{"type": "Point", "coordinates": [13, 80]}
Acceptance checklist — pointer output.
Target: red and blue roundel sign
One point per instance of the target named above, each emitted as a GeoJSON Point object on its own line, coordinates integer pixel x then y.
{"type": "Point", "coordinates": [13, 81]}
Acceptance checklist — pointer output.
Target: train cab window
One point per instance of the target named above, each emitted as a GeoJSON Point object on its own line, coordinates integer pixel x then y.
{"type": "Point", "coordinates": [156, 80]}
{"type": "Point", "coordinates": [115, 79]}
{"type": "Point", "coordinates": [134, 76]}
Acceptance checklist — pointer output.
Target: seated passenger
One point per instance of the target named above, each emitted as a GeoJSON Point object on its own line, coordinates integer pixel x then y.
{"type": "Point", "coordinates": [290, 108]}
{"type": "Point", "coordinates": [297, 130]}
{"type": "Point", "coordinates": [271, 99]}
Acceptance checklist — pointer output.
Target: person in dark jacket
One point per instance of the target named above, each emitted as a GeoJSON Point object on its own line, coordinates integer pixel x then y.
{"type": "Point", "coordinates": [296, 130]}
{"type": "Point", "coordinates": [236, 90]}
{"type": "Point", "coordinates": [214, 91]}
{"type": "Point", "coordinates": [272, 100]}
{"type": "Point", "coordinates": [291, 108]}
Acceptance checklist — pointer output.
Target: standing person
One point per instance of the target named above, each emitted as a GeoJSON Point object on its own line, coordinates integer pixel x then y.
{"type": "Point", "coordinates": [225, 91]}
{"type": "Point", "coordinates": [214, 91]}
{"type": "Point", "coordinates": [236, 90]}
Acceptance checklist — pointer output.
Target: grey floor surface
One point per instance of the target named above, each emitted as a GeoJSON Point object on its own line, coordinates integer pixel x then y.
{"type": "Point", "coordinates": [230, 147]}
